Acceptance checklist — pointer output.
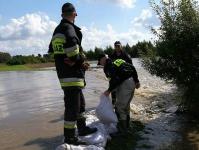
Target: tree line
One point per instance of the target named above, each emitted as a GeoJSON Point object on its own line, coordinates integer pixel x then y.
{"type": "Point", "coordinates": [21, 60]}
{"type": "Point", "coordinates": [134, 51]}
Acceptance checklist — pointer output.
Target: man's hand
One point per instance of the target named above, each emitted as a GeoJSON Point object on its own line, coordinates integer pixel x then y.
{"type": "Point", "coordinates": [137, 85]}
{"type": "Point", "coordinates": [85, 66]}
{"type": "Point", "coordinates": [69, 62]}
{"type": "Point", "coordinates": [107, 93]}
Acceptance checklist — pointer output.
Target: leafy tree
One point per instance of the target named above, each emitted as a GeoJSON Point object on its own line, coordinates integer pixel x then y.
{"type": "Point", "coordinates": [16, 60]}
{"type": "Point", "coordinates": [4, 57]}
{"type": "Point", "coordinates": [97, 52]}
{"type": "Point", "coordinates": [135, 51]}
{"type": "Point", "coordinates": [90, 55]}
{"type": "Point", "coordinates": [141, 48]}
{"type": "Point", "coordinates": [144, 48]}
{"type": "Point", "coordinates": [127, 48]}
{"type": "Point", "coordinates": [176, 56]}
{"type": "Point", "coordinates": [109, 50]}
{"type": "Point", "coordinates": [31, 59]}
{"type": "Point", "coordinates": [48, 57]}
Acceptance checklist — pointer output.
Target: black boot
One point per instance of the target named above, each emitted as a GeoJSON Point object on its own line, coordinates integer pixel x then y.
{"type": "Point", "coordinates": [122, 126]}
{"type": "Point", "coordinates": [70, 138]}
{"type": "Point", "coordinates": [74, 141]}
{"type": "Point", "coordinates": [122, 129]}
{"type": "Point", "coordinates": [128, 121]}
{"type": "Point", "coordinates": [84, 130]}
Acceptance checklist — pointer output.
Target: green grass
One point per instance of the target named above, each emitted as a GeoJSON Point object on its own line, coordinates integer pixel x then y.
{"type": "Point", "coordinates": [129, 141]}
{"type": "Point", "coordinates": [4, 67]}
{"type": "Point", "coordinates": [26, 67]}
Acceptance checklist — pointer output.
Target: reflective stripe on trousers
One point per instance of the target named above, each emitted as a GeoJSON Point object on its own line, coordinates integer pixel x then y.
{"type": "Point", "coordinates": [68, 82]}
{"type": "Point", "coordinates": [70, 124]}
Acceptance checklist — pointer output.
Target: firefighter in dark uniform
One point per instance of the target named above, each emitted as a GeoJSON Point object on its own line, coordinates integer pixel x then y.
{"type": "Point", "coordinates": [70, 65]}
{"type": "Point", "coordinates": [123, 79]}
{"type": "Point", "coordinates": [119, 53]}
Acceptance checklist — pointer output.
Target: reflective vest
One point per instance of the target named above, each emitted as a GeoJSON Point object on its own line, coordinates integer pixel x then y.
{"type": "Point", "coordinates": [118, 62]}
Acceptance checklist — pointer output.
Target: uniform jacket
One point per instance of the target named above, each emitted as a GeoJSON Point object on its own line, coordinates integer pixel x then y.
{"type": "Point", "coordinates": [66, 44]}
{"type": "Point", "coordinates": [118, 71]}
{"type": "Point", "coordinates": [123, 56]}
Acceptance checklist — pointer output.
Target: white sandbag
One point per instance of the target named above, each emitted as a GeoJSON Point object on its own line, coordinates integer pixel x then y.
{"type": "Point", "coordinates": [99, 138]}
{"type": "Point", "coordinates": [95, 141]}
{"type": "Point", "coordinates": [105, 112]}
{"type": "Point", "coordinates": [80, 147]}
{"type": "Point", "coordinates": [111, 128]}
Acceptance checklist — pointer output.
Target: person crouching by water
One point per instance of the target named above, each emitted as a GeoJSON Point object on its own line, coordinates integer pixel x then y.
{"type": "Point", "coordinates": [123, 79]}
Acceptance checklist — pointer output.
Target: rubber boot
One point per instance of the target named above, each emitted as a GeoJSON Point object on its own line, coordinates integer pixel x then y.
{"type": "Point", "coordinates": [70, 138]}
{"type": "Point", "coordinates": [128, 121]}
{"type": "Point", "coordinates": [84, 130]}
{"type": "Point", "coordinates": [122, 129]}
{"type": "Point", "coordinates": [128, 125]}
{"type": "Point", "coordinates": [122, 126]}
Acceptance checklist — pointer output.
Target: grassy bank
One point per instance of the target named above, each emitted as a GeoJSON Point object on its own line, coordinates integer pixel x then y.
{"type": "Point", "coordinates": [26, 67]}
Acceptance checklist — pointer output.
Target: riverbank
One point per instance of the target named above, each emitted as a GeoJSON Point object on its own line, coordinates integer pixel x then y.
{"type": "Point", "coordinates": [31, 112]}
{"type": "Point", "coordinates": [35, 67]}
{"type": "Point", "coordinates": [26, 67]}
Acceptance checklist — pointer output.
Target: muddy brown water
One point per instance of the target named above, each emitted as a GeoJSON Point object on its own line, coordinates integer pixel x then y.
{"type": "Point", "coordinates": [31, 111]}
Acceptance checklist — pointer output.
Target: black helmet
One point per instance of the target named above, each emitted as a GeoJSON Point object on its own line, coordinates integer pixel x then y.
{"type": "Point", "coordinates": [68, 8]}
{"type": "Point", "coordinates": [117, 43]}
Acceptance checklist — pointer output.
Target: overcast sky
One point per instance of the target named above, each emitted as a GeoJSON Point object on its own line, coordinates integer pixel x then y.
{"type": "Point", "coordinates": [26, 26]}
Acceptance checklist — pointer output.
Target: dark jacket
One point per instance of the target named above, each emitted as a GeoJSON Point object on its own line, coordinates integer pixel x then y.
{"type": "Point", "coordinates": [125, 56]}
{"type": "Point", "coordinates": [66, 43]}
{"type": "Point", "coordinates": [118, 71]}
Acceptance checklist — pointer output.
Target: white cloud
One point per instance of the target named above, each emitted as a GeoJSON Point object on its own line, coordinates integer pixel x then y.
{"type": "Point", "coordinates": [121, 3]}
{"type": "Point", "coordinates": [125, 3]}
{"type": "Point", "coordinates": [31, 34]}
{"type": "Point", "coordinates": [28, 34]}
{"type": "Point", "coordinates": [142, 19]}
{"type": "Point", "coordinates": [139, 31]}
{"type": "Point", "coordinates": [94, 37]}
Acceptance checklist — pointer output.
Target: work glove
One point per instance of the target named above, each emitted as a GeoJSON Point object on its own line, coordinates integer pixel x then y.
{"type": "Point", "coordinates": [137, 85]}
{"type": "Point", "coordinates": [85, 66]}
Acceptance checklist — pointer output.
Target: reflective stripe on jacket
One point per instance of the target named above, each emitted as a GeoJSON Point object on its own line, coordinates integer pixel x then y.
{"type": "Point", "coordinates": [66, 44]}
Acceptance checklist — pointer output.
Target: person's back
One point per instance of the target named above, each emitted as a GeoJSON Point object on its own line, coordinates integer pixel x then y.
{"type": "Point", "coordinates": [64, 31]}
{"type": "Point", "coordinates": [118, 71]}
{"type": "Point", "coordinates": [123, 80]}
{"type": "Point", "coordinates": [60, 56]}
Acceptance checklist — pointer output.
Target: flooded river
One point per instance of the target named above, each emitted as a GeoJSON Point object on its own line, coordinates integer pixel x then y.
{"type": "Point", "coordinates": [31, 110]}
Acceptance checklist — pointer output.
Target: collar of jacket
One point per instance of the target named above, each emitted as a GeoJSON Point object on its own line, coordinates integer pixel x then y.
{"type": "Point", "coordinates": [122, 52]}
{"type": "Point", "coordinates": [66, 21]}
